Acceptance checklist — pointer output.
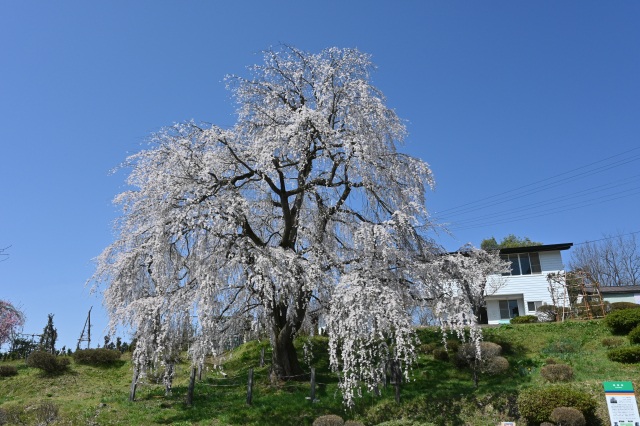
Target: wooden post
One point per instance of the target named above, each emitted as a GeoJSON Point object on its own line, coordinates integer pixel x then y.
{"type": "Point", "coordinates": [250, 387]}
{"type": "Point", "coordinates": [134, 384]}
{"type": "Point", "coordinates": [262, 357]}
{"type": "Point", "coordinates": [397, 376]}
{"type": "Point", "coordinates": [192, 385]}
{"type": "Point", "coordinates": [313, 385]}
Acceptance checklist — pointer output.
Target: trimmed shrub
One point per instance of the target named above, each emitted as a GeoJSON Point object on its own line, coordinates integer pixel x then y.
{"type": "Point", "coordinates": [567, 416]}
{"type": "Point", "coordinates": [537, 404]}
{"type": "Point", "coordinates": [626, 355]}
{"type": "Point", "coordinates": [428, 348]}
{"type": "Point", "coordinates": [496, 365]}
{"type": "Point", "coordinates": [46, 413]}
{"type": "Point", "coordinates": [328, 420]}
{"type": "Point", "coordinates": [618, 306]}
{"type": "Point", "coordinates": [557, 372]}
{"type": "Point", "coordinates": [612, 342]}
{"type": "Point", "coordinates": [98, 356]}
{"type": "Point", "coordinates": [47, 362]}
{"type": "Point", "coordinates": [8, 370]}
{"type": "Point", "coordinates": [524, 319]}
{"type": "Point", "coordinates": [623, 321]}
{"type": "Point", "coordinates": [453, 345]}
{"type": "Point", "coordinates": [441, 354]}
{"type": "Point", "coordinates": [634, 336]}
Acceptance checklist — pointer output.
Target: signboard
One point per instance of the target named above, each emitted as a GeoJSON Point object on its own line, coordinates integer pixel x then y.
{"type": "Point", "coordinates": [621, 402]}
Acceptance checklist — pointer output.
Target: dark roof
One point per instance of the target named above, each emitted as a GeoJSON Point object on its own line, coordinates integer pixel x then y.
{"type": "Point", "coordinates": [530, 249]}
{"type": "Point", "coordinates": [620, 289]}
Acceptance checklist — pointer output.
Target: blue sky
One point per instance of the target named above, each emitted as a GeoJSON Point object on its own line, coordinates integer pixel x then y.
{"type": "Point", "coordinates": [528, 113]}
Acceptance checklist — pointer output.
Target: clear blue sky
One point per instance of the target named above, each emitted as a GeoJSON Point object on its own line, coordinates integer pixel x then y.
{"type": "Point", "coordinates": [497, 95]}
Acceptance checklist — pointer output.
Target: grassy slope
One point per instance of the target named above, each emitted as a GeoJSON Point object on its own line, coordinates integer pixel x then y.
{"type": "Point", "coordinates": [439, 392]}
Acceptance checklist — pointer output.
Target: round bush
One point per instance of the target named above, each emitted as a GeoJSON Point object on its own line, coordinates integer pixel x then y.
{"type": "Point", "coordinates": [536, 404]}
{"type": "Point", "coordinates": [612, 342]}
{"type": "Point", "coordinates": [441, 354]}
{"type": "Point", "coordinates": [328, 420]}
{"type": "Point", "coordinates": [524, 319]}
{"type": "Point", "coordinates": [626, 355]}
{"type": "Point", "coordinates": [547, 313]}
{"type": "Point", "coordinates": [623, 321]}
{"type": "Point", "coordinates": [557, 372]}
{"type": "Point", "coordinates": [496, 365]}
{"type": "Point", "coordinates": [567, 416]}
{"type": "Point", "coordinates": [634, 336]}
{"type": "Point", "coordinates": [7, 371]}
{"type": "Point", "coordinates": [47, 362]}
{"type": "Point", "coordinates": [98, 356]}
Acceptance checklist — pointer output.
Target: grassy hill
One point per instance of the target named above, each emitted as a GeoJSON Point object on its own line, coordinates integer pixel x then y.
{"type": "Point", "coordinates": [439, 392]}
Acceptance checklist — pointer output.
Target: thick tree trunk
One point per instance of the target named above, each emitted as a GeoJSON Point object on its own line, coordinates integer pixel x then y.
{"type": "Point", "coordinates": [285, 358]}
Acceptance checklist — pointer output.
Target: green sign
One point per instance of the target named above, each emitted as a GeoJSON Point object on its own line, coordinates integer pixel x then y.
{"type": "Point", "coordinates": [621, 402]}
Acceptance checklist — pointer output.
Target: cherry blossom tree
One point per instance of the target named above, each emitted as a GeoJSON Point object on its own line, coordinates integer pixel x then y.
{"type": "Point", "coordinates": [303, 209]}
{"type": "Point", "coordinates": [11, 319]}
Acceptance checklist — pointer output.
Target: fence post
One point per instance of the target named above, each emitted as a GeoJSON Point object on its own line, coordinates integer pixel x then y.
{"type": "Point", "coordinates": [134, 384]}
{"type": "Point", "coordinates": [192, 385]}
{"type": "Point", "coordinates": [313, 385]}
{"type": "Point", "coordinates": [397, 375]}
{"type": "Point", "coordinates": [250, 387]}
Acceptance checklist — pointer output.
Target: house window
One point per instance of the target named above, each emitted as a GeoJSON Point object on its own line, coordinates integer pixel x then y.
{"type": "Point", "coordinates": [508, 309]}
{"type": "Point", "coordinates": [533, 306]}
{"type": "Point", "coordinates": [523, 263]}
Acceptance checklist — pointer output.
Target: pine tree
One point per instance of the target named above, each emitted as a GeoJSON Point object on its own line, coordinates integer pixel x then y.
{"type": "Point", "coordinates": [49, 337]}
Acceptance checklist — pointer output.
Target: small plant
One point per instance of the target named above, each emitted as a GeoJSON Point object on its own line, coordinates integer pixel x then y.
{"type": "Point", "coordinates": [47, 362]}
{"type": "Point", "coordinates": [623, 321]}
{"type": "Point", "coordinates": [557, 372]}
{"type": "Point", "coordinates": [612, 342]}
{"type": "Point", "coordinates": [537, 404]}
{"type": "Point", "coordinates": [328, 420]}
{"type": "Point", "coordinates": [98, 356]}
{"type": "Point", "coordinates": [626, 355]}
{"type": "Point", "coordinates": [8, 371]}
{"type": "Point", "coordinates": [567, 416]}
{"type": "Point", "coordinates": [524, 319]}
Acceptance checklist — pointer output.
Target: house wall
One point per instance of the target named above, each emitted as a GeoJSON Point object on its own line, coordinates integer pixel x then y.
{"type": "Point", "coordinates": [525, 288]}
{"type": "Point", "coordinates": [622, 297]}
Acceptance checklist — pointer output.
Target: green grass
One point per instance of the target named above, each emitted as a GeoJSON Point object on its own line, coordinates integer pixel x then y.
{"type": "Point", "coordinates": [438, 393]}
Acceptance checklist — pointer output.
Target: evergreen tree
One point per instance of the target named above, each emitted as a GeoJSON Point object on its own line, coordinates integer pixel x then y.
{"type": "Point", "coordinates": [49, 337]}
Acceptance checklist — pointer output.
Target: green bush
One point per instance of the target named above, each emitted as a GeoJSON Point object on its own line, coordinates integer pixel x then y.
{"type": "Point", "coordinates": [623, 321]}
{"type": "Point", "coordinates": [524, 319]}
{"type": "Point", "coordinates": [328, 420]}
{"type": "Point", "coordinates": [634, 336]}
{"type": "Point", "coordinates": [537, 404]}
{"type": "Point", "coordinates": [612, 342]}
{"type": "Point", "coordinates": [353, 423]}
{"type": "Point", "coordinates": [99, 356]}
{"type": "Point", "coordinates": [557, 372]}
{"type": "Point", "coordinates": [618, 306]}
{"type": "Point", "coordinates": [47, 362]}
{"type": "Point", "coordinates": [404, 422]}
{"type": "Point", "coordinates": [441, 354]}
{"type": "Point", "coordinates": [8, 370]}
{"type": "Point", "coordinates": [567, 416]}
{"type": "Point", "coordinates": [626, 355]}
{"type": "Point", "coordinates": [428, 348]}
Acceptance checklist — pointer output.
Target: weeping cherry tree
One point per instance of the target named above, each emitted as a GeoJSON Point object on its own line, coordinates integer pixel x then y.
{"type": "Point", "coordinates": [303, 209]}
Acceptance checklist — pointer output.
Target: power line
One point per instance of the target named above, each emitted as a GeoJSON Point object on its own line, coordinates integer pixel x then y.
{"type": "Point", "coordinates": [607, 238]}
{"type": "Point", "coordinates": [501, 196]}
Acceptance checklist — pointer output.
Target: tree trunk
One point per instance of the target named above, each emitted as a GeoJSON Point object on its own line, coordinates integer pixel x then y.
{"type": "Point", "coordinates": [284, 358]}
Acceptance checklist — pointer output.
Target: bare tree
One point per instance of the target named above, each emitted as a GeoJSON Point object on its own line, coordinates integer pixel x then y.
{"type": "Point", "coordinates": [613, 261]}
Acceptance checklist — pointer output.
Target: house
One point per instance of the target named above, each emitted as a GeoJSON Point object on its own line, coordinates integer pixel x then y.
{"type": "Point", "coordinates": [626, 293]}
{"type": "Point", "coordinates": [525, 288]}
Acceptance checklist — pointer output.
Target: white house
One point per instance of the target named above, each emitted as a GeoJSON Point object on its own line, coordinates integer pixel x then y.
{"type": "Point", "coordinates": [525, 288]}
